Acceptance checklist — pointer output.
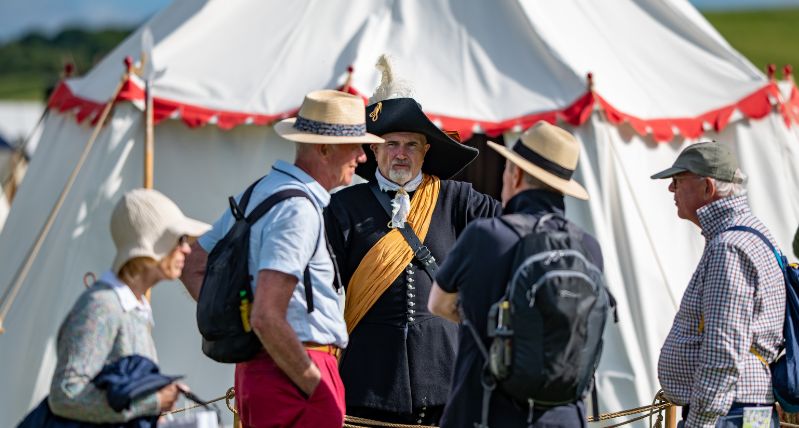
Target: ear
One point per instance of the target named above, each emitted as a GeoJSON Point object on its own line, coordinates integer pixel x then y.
{"type": "Point", "coordinates": [325, 149]}
{"type": "Point", "coordinates": [426, 148]}
{"type": "Point", "coordinates": [710, 188]}
{"type": "Point", "coordinates": [516, 174]}
{"type": "Point", "coordinates": [374, 148]}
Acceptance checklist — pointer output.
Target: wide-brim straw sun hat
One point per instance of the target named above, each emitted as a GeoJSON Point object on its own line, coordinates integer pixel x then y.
{"type": "Point", "coordinates": [328, 117]}
{"type": "Point", "coordinates": [145, 223]}
{"type": "Point", "coordinates": [548, 153]}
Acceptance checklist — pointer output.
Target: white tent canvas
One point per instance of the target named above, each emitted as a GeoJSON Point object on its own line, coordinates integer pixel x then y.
{"type": "Point", "coordinates": [17, 122]}
{"type": "Point", "coordinates": [662, 78]}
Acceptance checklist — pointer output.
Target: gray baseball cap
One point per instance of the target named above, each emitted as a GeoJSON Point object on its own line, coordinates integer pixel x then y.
{"type": "Point", "coordinates": [711, 159]}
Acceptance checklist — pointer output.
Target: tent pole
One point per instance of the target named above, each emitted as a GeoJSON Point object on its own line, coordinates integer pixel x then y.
{"type": "Point", "coordinates": [22, 273]}
{"type": "Point", "coordinates": [149, 138]}
{"type": "Point", "coordinates": [149, 146]}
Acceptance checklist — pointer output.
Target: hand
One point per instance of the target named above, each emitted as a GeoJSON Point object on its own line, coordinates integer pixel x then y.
{"type": "Point", "coordinates": [167, 396]}
{"type": "Point", "coordinates": [310, 380]}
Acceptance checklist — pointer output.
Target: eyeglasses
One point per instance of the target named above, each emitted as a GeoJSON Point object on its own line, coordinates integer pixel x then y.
{"type": "Point", "coordinates": [183, 240]}
{"type": "Point", "coordinates": [677, 179]}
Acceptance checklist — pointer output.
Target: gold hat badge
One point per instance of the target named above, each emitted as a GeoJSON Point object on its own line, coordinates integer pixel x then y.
{"type": "Point", "coordinates": [376, 111]}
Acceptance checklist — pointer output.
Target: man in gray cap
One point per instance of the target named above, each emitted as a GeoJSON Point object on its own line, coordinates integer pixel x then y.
{"type": "Point", "coordinates": [728, 329]}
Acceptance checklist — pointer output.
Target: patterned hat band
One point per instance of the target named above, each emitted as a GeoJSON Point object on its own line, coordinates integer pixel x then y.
{"type": "Point", "coordinates": [329, 129]}
{"type": "Point", "coordinates": [542, 162]}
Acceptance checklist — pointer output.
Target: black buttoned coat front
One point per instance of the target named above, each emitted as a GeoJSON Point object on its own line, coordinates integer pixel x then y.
{"type": "Point", "coordinates": [400, 357]}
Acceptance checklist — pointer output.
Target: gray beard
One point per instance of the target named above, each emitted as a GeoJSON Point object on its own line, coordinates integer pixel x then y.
{"type": "Point", "coordinates": [399, 177]}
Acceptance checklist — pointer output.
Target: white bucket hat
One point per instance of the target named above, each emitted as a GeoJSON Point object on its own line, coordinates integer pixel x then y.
{"type": "Point", "coordinates": [145, 223]}
{"type": "Point", "coordinates": [328, 117]}
{"type": "Point", "coordinates": [548, 153]}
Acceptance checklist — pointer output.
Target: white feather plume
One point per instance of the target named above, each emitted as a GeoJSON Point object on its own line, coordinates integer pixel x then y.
{"type": "Point", "coordinates": [390, 86]}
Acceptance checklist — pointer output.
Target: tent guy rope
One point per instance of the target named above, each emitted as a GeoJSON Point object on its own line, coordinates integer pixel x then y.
{"type": "Point", "coordinates": [19, 278]}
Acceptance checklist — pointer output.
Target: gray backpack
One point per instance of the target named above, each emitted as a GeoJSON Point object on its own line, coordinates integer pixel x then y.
{"type": "Point", "coordinates": [547, 329]}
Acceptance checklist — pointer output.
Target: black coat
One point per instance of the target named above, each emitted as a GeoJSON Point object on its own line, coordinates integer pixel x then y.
{"type": "Point", "coordinates": [400, 357]}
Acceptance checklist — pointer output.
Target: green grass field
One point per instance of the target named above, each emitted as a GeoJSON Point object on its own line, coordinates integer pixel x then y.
{"type": "Point", "coordinates": [764, 37]}
{"type": "Point", "coordinates": [23, 87]}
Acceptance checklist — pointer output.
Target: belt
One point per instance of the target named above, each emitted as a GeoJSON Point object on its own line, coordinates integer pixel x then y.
{"type": "Point", "coordinates": [735, 405]}
{"type": "Point", "coordinates": [327, 349]}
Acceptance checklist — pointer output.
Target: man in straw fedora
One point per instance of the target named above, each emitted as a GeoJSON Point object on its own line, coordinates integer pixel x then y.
{"type": "Point", "coordinates": [295, 382]}
{"type": "Point", "coordinates": [538, 173]}
{"type": "Point", "coordinates": [398, 364]}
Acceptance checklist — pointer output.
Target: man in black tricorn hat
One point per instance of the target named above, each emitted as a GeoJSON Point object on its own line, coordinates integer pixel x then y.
{"type": "Point", "coordinates": [388, 236]}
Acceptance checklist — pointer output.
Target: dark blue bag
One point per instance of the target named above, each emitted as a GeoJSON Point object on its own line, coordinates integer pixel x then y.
{"type": "Point", "coordinates": [785, 370]}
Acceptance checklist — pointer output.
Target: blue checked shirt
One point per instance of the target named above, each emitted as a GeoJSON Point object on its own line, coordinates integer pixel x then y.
{"type": "Point", "coordinates": [286, 239]}
{"type": "Point", "coordinates": [735, 303]}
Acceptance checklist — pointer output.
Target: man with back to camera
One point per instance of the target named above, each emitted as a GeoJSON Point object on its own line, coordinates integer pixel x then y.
{"type": "Point", "coordinates": [537, 175]}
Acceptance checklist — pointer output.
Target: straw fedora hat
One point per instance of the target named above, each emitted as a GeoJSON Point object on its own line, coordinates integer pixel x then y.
{"type": "Point", "coordinates": [328, 117]}
{"type": "Point", "coordinates": [549, 154]}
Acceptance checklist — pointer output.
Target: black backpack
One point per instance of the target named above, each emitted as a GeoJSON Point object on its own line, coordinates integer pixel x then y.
{"type": "Point", "coordinates": [226, 296]}
{"type": "Point", "coordinates": [547, 329]}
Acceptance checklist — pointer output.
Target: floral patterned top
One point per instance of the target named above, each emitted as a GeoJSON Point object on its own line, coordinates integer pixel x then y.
{"type": "Point", "coordinates": [106, 323]}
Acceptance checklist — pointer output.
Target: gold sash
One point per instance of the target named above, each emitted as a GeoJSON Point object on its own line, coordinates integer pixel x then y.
{"type": "Point", "coordinates": [389, 256]}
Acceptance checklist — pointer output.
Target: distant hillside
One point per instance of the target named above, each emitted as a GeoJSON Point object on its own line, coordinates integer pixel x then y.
{"type": "Point", "coordinates": [30, 65]}
{"type": "Point", "coordinates": [763, 36]}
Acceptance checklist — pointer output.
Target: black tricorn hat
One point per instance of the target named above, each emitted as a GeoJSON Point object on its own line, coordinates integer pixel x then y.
{"type": "Point", "coordinates": [446, 156]}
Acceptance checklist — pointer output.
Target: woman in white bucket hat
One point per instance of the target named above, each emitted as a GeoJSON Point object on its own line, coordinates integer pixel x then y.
{"type": "Point", "coordinates": [113, 319]}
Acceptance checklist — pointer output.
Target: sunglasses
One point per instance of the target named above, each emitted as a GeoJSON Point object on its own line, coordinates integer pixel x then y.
{"type": "Point", "coordinates": [677, 179]}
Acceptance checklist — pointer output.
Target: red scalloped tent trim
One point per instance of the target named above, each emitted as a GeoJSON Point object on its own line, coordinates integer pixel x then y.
{"type": "Point", "coordinates": [754, 106]}
{"type": "Point", "coordinates": [790, 109]}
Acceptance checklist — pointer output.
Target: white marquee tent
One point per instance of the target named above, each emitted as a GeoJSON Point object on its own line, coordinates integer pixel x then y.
{"type": "Point", "coordinates": [662, 78]}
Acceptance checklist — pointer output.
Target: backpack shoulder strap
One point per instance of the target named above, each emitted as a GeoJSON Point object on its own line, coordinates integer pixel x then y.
{"type": "Point", "coordinates": [525, 224]}
{"type": "Point", "coordinates": [239, 208]}
{"type": "Point", "coordinates": [759, 234]}
{"type": "Point", "coordinates": [271, 201]}
{"type": "Point", "coordinates": [262, 208]}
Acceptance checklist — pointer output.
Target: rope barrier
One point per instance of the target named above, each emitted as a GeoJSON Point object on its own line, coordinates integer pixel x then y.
{"type": "Point", "coordinates": [193, 406]}
{"type": "Point", "coordinates": [629, 421]}
{"type": "Point", "coordinates": [228, 397]}
{"type": "Point", "coordinates": [356, 422]}
{"type": "Point", "coordinates": [652, 408]}
{"type": "Point", "coordinates": [656, 408]}
{"type": "Point", "coordinates": [658, 405]}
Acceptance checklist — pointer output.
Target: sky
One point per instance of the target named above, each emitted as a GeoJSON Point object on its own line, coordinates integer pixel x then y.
{"type": "Point", "coordinates": [18, 17]}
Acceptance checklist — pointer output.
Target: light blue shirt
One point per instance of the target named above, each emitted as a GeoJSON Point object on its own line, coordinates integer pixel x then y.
{"type": "Point", "coordinates": [286, 239]}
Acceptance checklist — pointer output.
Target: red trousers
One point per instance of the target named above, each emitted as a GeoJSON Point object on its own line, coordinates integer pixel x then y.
{"type": "Point", "coordinates": [267, 398]}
